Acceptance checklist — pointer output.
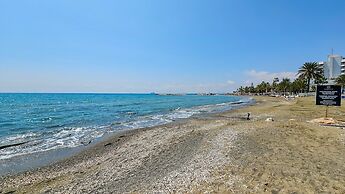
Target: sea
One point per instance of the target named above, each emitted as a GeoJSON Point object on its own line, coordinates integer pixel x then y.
{"type": "Point", "coordinates": [35, 123]}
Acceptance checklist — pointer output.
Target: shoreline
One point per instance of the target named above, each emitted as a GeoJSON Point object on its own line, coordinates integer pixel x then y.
{"type": "Point", "coordinates": [34, 161]}
{"type": "Point", "coordinates": [221, 152]}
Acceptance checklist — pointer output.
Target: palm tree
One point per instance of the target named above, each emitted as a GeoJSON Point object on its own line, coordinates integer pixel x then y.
{"type": "Point", "coordinates": [274, 84]}
{"type": "Point", "coordinates": [310, 70]}
{"type": "Point", "coordinates": [298, 85]}
{"type": "Point", "coordinates": [241, 90]}
{"type": "Point", "coordinates": [321, 80]}
{"type": "Point", "coordinates": [261, 88]}
{"type": "Point", "coordinates": [268, 87]}
{"type": "Point", "coordinates": [285, 84]}
{"type": "Point", "coordinates": [341, 81]}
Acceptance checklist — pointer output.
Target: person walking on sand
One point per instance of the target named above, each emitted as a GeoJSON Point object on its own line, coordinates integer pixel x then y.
{"type": "Point", "coordinates": [248, 116]}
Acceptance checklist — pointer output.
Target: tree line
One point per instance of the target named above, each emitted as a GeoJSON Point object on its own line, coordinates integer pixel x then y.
{"type": "Point", "coordinates": [310, 71]}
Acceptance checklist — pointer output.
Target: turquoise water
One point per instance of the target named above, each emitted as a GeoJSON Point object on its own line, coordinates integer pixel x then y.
{"type": "Point", "coordinates": [42, 122]}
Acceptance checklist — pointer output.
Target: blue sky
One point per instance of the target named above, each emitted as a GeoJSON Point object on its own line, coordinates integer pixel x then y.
{"type": "Point", "coordinates": [161, 46]}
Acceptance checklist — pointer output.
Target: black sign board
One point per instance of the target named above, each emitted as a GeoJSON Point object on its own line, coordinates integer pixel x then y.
{"type": "Point", "coordinates": [329, 95]}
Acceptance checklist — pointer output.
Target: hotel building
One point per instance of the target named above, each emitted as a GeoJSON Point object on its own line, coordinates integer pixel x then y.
{"type": "Point", "coordinates": [333, 67]}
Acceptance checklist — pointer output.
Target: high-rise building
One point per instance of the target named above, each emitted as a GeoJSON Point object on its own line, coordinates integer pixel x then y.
{"type": "Point", "coordinates": [333, 67]}
{"type": "Point", "coordinates": [343, 66]}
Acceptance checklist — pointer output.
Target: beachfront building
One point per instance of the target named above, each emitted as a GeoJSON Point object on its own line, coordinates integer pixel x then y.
{"type": "Point", "coordinates": [343, 66]}
{"type": "Point", "coordinates": [333, 67]}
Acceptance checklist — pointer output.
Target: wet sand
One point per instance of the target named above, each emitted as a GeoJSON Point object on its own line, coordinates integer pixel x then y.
{"type": "Point", "coordinates": [222, 153]}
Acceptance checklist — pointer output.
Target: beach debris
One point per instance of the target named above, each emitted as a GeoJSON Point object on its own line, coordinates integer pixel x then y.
{"type": "Point", "coordinates": [108, 144]}
{"type": "Point", "coordinates": [10, 192]}
{"type": "Point", "coordinates": [269, 119]}
{"type": "Point", "coordinates": [324, 121]}
{"type": "Point", "coordinates": [85, 143]}
{"type": "Point", "coordinates": [342, 126]}
{"type": "Point", "coordinates": [248, 116]}
{"type": "Point", "coordinates": [131, 113]}
{"type": "Point", "coordinates": [12, 145]}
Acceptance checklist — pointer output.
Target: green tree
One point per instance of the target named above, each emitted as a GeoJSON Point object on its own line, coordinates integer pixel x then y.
{"type": "Point", "coordinates": [246, 89]}
{"type": "Point", "coordinates": [298, 85]}
{"type": "Point", "coordinates": [341, 81]}
{"type": "Point", "coordinates": [240, 90]}
{"type": "Point", "coordinates": [261, 88]}
{"type": "Point", "coordinates": [275, 84]}
{"type": "Point", "coordinates": [268, 87]}
{"type": "Point", "coordinates": [321, 80]}
{"type": "Point", "coordinates": [310, 70]}
{"type": "Point", "coordinates": [252, 88]}
{"type": "Point", "coordinates": [284, 85]}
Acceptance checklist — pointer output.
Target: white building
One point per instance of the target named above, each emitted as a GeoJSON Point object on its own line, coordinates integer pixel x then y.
{"type": "Point", "coordinates": [343, 66]}
{"type": "Point", "coordinates": [334, 67]}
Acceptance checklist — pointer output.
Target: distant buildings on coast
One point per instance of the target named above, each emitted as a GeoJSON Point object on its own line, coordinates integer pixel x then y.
{"type": "Point", "coordinates": [189, 94]}
{"type": "Point", "coordinates": [333, 67]}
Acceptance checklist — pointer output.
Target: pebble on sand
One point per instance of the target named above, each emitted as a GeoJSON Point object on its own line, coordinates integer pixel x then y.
{"type": "Point", "coordinates": [270, 119]}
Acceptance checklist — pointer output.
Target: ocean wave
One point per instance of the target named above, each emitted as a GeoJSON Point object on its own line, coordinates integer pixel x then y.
{"type": "Point", "coordinates": [38, 142]}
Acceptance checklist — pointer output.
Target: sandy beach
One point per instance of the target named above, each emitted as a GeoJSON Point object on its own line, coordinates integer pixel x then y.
{"type": "Point", "coordinates": [218, 153]}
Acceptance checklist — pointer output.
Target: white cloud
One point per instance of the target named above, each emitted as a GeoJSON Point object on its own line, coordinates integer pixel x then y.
{"type": "Point", "coordinates": [230, 82]}
{"type": "Point", "coordinates": [256, 77]}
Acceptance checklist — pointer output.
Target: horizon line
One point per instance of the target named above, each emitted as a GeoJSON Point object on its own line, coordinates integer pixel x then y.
{"type": "Point", "coordinates": [114, 92]}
